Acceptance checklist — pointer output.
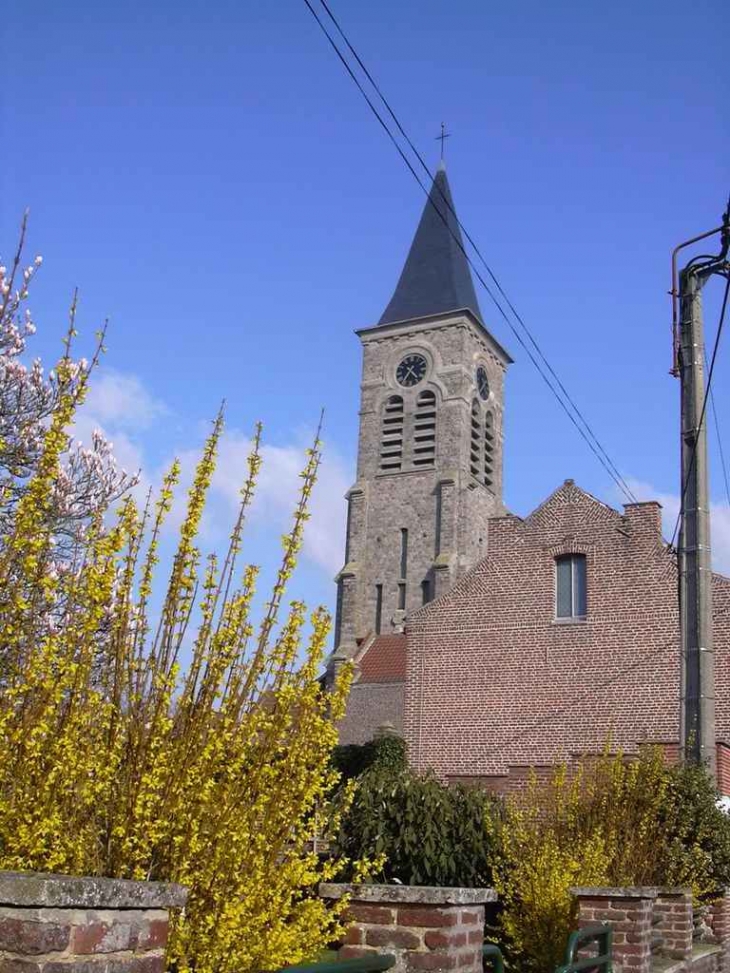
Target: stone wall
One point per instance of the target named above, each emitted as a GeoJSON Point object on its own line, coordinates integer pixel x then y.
{"type": "Point", "coordinates": [443, 507]}
{"type": "Point", "coordinates": [60, 924]}
{"type": "Point", "coordinates": [425, 928]}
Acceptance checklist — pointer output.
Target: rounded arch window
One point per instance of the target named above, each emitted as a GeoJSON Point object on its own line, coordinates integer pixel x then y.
{"type": "Point", "coordinates": [489, 449]}
{"type": "Point", "coordinates": [424, 429]}
{"type": "Point", "coordinates": [391, 435]}
{"type": "Point", "coordinates": [475, 444]}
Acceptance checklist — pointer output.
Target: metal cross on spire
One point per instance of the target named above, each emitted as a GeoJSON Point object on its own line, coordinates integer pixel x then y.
{"type": "Point", "coordinates": [442, 138]}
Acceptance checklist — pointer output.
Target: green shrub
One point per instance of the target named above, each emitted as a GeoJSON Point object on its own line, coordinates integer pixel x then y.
{"type": "Point", "coordinates": [353, 759]}
{"type": "Point", "coordinates": [609, 821]}
{"type": "Point", "coordinates": [697, 833]}
{"type": "Point", "coordinates": [430, 834]}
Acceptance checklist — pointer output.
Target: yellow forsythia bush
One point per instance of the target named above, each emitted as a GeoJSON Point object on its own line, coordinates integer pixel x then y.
{"type": "Point", "coordinates": [115, 761]}
{"type": "Point", "coordinates": [607, 821]}
{"type": "Point", "coordinates": [539, 854]}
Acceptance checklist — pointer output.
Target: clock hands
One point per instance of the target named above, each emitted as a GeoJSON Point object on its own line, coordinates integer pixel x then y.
{"type": "Point", "coordinates": [411, 370]}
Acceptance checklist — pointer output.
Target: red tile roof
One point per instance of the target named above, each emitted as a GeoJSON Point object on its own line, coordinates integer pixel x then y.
{"type": "Point", "coordinates": [385, 660]}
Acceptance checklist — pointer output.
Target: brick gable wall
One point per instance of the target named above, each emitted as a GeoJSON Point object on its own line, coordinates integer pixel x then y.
{"type": "Point", "coordinates": [495, 684]}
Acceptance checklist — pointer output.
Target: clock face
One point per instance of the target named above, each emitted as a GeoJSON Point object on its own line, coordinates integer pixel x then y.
{"type": "Point", "coordinates": [482, 382]}
{"type": "Point", "coordinates": [411, 370]}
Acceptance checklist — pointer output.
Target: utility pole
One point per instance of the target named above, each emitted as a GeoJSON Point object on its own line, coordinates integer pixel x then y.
{"type": "Point", "coordinates": [697, 716]}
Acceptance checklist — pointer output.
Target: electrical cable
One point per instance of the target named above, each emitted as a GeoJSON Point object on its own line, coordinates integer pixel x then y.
{"type": "Point", "coordinates": [591, 691]}
{"type": "Point", "coordinates": [624, 486]}
{"type": "Point", "coordinates": [602, 455]}
{"type": "Point", "coordinates": [588, 435]}
{"type": "Point", "coordinates": [720, 449]}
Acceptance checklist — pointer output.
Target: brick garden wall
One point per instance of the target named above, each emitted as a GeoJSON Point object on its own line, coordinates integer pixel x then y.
{"type": "Point", "coordinates": [425, 928]}
{"type": "Point", "coordinates": [58, 924]}
{"type": "Point", "coordinates": [653, 929]}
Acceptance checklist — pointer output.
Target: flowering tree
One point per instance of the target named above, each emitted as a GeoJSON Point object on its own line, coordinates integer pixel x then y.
{"type": "Point", "coordinates": [121, 762]}
{"type": "Point", "coordinates": [87, 480]}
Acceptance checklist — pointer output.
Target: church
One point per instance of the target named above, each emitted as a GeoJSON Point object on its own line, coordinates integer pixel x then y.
{"type": "Point", "coordinates": [494, 644]}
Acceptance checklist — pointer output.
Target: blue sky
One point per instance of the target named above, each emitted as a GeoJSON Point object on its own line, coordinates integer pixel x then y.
{"type": "Point", "coordinates": [211, 180]}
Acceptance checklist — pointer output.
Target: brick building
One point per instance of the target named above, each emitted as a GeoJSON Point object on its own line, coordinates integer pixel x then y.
{"type": "Point", "coordinates": [491, 642]}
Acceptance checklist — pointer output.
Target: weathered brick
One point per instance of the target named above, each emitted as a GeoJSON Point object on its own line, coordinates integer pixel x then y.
{"type": "Point", "coordinates": [354, 952]}
{"type": "Point", "coordinates": [72, 964]}
{"type": "Point", "coordinates": [104, 937]}
{"type": "Point", "coordinates": [375, 914]}
{"type": "Point", "coordinates": [13, 964]}
{"type": "Point", "coordinates": [470, 958]}
{"type": "Point", "coordinates": [153, 934]}
{"type": "Point", "coordinates": [635, 949]}
{"type": "Point", "coordinates": [393, 936]}
{"type": "Point", "coordinates": [426, 916]}
{"type": "Point", "coordinates": [431, 961]}
{"type": "Point", "coordinates": [146, 963]}
{"type": "Point", "coordinates": [31, 937]}
{"type": "Point", "coordinates": [438, 939]}
{"type": "Point", "coordinates": [354, 936]}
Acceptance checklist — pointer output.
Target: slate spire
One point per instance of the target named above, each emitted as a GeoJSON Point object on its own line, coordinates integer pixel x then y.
{"type": "Point", "coordinates": [436, 277]}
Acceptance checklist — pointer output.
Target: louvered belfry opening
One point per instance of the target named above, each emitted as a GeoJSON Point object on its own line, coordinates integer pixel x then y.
{"type": "Point", "coordinates": [391, 441]}
{"type": "Point", "coordinates": [476, 437]}
{"type": "Point", "coordinates": [489, 450]}
{"type": "Point", "coordinates": [424, 429]}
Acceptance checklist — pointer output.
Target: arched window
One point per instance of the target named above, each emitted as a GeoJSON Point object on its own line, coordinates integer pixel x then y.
{"type": "Point", "coordinates": [476, 436]}
{"type": "Point", "coordinates": [391, 439]}
{"type": "Point", "coordinates": [570, 586]}
{"type": "Point", "coordinates": [488, 449]}
{"type": "Point", "coordinates": [424, 429]}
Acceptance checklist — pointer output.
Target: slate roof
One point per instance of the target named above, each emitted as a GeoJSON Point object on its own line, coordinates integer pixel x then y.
{"type": "Point", "coordinates": [436, 276]}
{"type": "Point", "coordinates": [384, 661]}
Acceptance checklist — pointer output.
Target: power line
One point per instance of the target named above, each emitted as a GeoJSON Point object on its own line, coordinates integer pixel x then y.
{"type": "Point", "coordinates": [592, 690]}
{"type": "Point", "coordinates": [600, 452]}
{"type": "Point", "coordinates": [721, 451]}
{"type": "Point", "coordinates": [478, 252]}
{"type": "Point", "coordinates": [588, 435]}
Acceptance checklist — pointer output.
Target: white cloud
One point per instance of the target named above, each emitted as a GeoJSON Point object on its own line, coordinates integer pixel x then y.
{"type": "Point", "coordinates": [121, 401]}
{"type": "Point", "coordinates": [276, 494]}
{"type": "Point", "coordinates": [122, 408]}
{"type": "Point", "coordinates": [719, 522]}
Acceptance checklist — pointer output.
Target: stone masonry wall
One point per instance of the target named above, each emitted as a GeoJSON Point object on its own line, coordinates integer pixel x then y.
{"type": "Point", "coordinates": [425, 928]}
{"type": "Point", "coordinates": [60, 924]}
{"type": "Point", "coordinates": [443, 507]}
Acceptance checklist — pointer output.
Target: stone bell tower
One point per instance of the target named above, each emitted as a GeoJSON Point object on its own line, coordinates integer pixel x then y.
{"type": "Point", "coordinates": [429, 468]}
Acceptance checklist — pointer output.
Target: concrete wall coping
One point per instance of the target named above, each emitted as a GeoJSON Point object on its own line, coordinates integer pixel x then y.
{"type": "Point", "coordinates": [408, 894]}
{"type": "Point", "coordinates": [704, 949]}
{"type": "Point", "coordinates": [635, 892]}
{"type": "Point", "coordinates": [45, 890]}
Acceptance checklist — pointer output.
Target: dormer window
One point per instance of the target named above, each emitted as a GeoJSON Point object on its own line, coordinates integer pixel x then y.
{"type": "Point", "coordinates": [570, 586]}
